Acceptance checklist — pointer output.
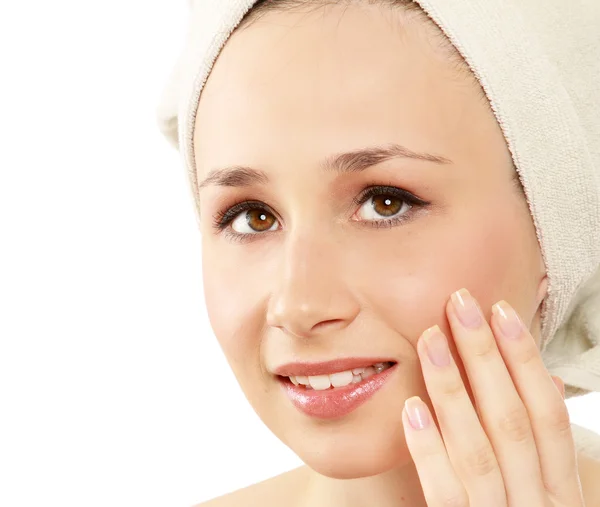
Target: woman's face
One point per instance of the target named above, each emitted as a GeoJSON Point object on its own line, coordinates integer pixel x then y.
{"type": "Point", "coordinates": [317, 269]}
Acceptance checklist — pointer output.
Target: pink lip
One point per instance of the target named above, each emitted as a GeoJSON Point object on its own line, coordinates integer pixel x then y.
{"type": "Point", "coordinates": [336, 402]}
{"type": "Point", "coordinates": [327, 367]}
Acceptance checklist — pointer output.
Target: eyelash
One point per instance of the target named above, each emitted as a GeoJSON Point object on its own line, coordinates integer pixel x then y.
{"type": "Point", "coordinates": [223, 218]}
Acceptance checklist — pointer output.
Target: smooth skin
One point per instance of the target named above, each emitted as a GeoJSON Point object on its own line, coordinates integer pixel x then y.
{"type": "Point", "coordinates": [512, 449]}
{"type": "Point", "coordinates": [312, 272]}
{"type": "Point", "coordinates": [517, 448]}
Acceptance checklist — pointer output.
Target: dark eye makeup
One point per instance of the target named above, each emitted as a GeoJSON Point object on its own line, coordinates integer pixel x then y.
{"type": "Point", "coordinates": [222, 219]}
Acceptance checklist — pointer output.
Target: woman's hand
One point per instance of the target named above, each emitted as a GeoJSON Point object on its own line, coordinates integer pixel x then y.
{"type": "Point", "coordinates": [516, 448]}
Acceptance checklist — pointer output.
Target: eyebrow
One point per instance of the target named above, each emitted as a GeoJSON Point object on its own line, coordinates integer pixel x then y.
{"type": "Point", "coordinates": [343, 163]}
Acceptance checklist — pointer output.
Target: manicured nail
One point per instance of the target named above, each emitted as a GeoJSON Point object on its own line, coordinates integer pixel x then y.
{"type": "Point", "coordinates": [417, 413]}
{"type": "Point", "coordinates": [508, 321]}
{"type": "Point", "coordinates": [467, 309]}
{"type": "Point", "coordinates": [437, 346]}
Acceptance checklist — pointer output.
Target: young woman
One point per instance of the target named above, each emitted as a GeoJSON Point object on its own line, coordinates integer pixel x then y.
{"type": "Point", "coordinates": [388, 264]}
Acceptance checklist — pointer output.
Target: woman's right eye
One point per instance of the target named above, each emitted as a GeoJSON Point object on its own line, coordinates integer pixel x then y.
{"type": "Point", "coordinates": [253, 221]}
{"type": "Point", "coordinates": [244, 219]}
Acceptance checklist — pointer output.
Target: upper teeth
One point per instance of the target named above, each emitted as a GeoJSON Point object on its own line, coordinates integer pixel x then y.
{"type": "Point", "coordinates": [343, 378]}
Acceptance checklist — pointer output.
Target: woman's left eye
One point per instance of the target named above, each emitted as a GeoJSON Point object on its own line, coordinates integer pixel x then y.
{"type": "Point", "coordinates": [386, 205]}
{"type": "Point", "coordinates": [383, 206]}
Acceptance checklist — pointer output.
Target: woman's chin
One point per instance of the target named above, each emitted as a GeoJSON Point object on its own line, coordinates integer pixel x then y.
{"type": "Point", "coordinates": [355, 463]}
{"type": "Point", "coordinates": [348, 453]}
{"type": "Point", "coordinates": [365, 442]}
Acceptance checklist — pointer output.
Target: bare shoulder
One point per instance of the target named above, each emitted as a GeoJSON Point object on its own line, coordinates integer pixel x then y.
{"type": "Point", "coordinates": [282, 489]}
{"type": "Point", "coordinates": [589, 474]}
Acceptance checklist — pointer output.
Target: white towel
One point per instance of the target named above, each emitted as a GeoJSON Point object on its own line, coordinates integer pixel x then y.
{"type": "Point", "coordinates": [539, 64]}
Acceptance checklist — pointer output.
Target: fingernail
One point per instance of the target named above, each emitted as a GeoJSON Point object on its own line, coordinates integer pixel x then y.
{"type": "Point", "coordinates": [467, 309]}
{"type": "Point", "coordinates": [508, 321]}
{"type": "Point", "coordinates": [437, 346]}
{"type": "Point", "coordinates": [417, 413]}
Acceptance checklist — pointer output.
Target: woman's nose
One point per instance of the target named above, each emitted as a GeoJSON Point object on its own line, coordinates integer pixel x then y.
{"type": "Point", "coordinates": [312, 295]}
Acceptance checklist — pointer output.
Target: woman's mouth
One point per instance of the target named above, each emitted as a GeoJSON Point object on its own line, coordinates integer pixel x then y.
{"type": "Point", "coordinates": [334, 395]}
{"type": "Point", "coordinates": [341, 379]}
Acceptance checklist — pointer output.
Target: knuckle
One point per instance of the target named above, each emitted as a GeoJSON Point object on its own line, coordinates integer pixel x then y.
{"type": "Point", "coordinates": [458, 499]}
{"type": "Point", "coordinates": [452, 388]}
{"type": "Point", "coordinates": [554, 486]}
{"type": "Point", "coordinates": [428, 451]}
{"type": "Point", "coordinates": [481, 461]}
{"type": "Point", "coordinates": [485, 349]}
{"type": "Point", "coordinates": [528, 355]}
{"type": "Point", "coordinates": [515, 425]}
{"type": "Point", "coordinates": [557, 420]}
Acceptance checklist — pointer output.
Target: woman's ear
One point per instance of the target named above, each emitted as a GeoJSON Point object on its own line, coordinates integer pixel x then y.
{"type": "Point", "coordinates": [535, 327]}
{"type": "Point", "coordinates": [542, 291]}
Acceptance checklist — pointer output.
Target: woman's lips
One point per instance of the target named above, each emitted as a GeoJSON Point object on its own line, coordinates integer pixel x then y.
{"type": "Point", "coordinates": [326, 367]}
{"type": "Point", "coordinates": [335, 402]}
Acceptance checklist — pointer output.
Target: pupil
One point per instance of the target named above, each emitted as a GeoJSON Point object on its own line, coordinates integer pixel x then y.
{"type": "Point", "coordinates": [388, 209]}
{"type": "Point", "coordinates": [258, 220]}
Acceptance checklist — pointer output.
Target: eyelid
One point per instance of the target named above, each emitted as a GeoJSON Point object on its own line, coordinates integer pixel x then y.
{"type": "Point", "coordinates": [398, 192]}
{"type": "Point", "coordinates": [222, 219]}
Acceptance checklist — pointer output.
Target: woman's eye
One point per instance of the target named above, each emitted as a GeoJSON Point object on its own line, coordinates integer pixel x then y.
{"type": "Point", "coordinates": [383, 206]}
{"type": "Point", "coordinates": [379, 206]}
{"type": "Point", "coordinates": [253, 220]}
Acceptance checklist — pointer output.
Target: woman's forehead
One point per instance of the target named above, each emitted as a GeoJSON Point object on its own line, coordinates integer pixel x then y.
{"type": "Point", "coordinates": [337, 50]}
{"type": "Point", "coordinates": [326, 80]}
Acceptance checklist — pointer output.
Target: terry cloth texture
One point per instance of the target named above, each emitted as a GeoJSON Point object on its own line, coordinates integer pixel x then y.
{"type": "Point", "coordinates": [539, 65]}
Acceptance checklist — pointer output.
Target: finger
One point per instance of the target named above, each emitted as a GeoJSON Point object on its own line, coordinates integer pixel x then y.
{"type": "Point", "coordinates": [441, 486]}
{"type": "Point", "coordinates": [560, 385]}
{"type": "Point", "coordinates": [503, 414]}
{"type": "Point", "coordinates": [546, 407]}
{"type": "Point", "coordinates": [469, 448]}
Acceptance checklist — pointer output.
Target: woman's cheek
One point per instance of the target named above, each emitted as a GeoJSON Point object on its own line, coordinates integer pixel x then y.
{"type": "Point", "coordinates": [220, 299]}
{"type": "Point", "coordinates": [455, 255]}
{"type": "Point", "coordinates": [232, 301]}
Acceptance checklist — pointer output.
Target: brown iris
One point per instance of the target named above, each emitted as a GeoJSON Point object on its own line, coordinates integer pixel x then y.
{"type": "Point", "coordinates": [386, 205]}
{"type": "Point", "coordinates": [259, 220]}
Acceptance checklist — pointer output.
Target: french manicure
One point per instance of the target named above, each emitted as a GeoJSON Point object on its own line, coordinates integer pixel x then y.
{"type": "Point", "coordinates": [417, 413]}
{"type": "Point", "coordinates": [467, 309]}
{"type": "Point", "coordinates": [437, 346]}
{"type": "Point", "coordinates": [508, 321]}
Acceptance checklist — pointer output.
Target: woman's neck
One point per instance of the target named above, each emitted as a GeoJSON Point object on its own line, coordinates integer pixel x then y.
{"type": "Point", "coordinates": [394, 488]}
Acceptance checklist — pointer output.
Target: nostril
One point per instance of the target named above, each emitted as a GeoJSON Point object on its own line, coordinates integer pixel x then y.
{"type": "Point", "coordinates": [327, 323]}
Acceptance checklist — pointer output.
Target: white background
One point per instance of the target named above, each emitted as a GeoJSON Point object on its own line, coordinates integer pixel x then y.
{"type": "Point", "coordinates": [113, 390]}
